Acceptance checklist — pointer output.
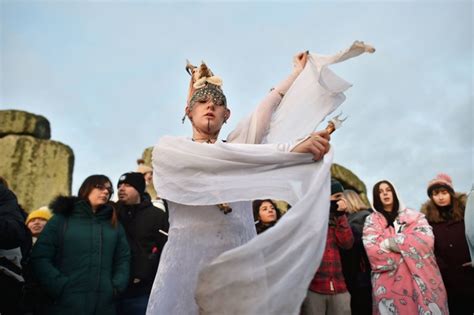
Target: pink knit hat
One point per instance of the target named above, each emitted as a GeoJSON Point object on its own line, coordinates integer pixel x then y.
{"type": "Point", "coordinates": [441, 180]}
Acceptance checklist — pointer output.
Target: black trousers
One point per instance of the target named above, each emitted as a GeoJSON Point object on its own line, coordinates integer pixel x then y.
{"type": "Point", "coordinates": [361, 301]}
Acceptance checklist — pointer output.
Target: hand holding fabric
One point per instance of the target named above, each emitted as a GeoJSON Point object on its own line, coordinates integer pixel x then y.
{"type": "Point", "coordinates": [317, 144]}
{"type": "Point", "coordinates": [299, 61]}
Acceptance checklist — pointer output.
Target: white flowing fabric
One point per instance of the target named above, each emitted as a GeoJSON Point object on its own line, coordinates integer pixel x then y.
{"type": "Point", "coordinates": [315, 94]}
{"type": "Point", "coordinates": [270, 273]}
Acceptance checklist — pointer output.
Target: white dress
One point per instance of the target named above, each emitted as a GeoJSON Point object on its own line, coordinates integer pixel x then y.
{"type": "Point", "coordinates": [213, 259]}
{"type": "Point", "coordinates": [206, 233]}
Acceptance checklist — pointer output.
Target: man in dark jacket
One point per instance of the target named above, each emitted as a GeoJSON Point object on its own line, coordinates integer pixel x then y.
{"type": "Point", "coordinates": [15, 243]}
{"type": "Point", "coordinates": [146, 227]}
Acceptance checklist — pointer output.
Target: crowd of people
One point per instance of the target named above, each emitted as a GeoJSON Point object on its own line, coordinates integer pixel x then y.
{"type": "Point", "coordinates": [201, 249]}
{"type": "Point", "coordinates": [85, 254]}
{"type": "Point", "coordinates": [92, 256]}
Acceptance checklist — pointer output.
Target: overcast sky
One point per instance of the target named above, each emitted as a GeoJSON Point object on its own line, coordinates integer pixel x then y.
{"type": "Point", "coordinates": [109, 76]}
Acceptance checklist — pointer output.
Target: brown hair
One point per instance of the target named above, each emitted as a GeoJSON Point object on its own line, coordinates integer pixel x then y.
{"type": "Point", "coordinates": [378, 202]}
{"type": "Point", "coordinates": [457, 206]}
{"type": "Point", "coordinates": [354, 202]}
{"type": "Point", "coordinates": [89, 184]}
{"type": "Point", "coordinates": [256, 208]}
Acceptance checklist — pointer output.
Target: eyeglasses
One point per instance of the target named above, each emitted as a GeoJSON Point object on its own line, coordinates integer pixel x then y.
{"type": "Point", "coordinates": [104, 187]}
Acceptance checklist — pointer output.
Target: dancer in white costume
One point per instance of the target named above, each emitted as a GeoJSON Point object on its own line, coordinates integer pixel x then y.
{"type": "Point", "coordinates": [238, 272]}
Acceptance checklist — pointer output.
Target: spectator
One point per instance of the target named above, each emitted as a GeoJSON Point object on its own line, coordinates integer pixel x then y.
{"type": "Point", "coordinates": [146, 227]}
{"type": "Point", "coordinates": [266, 214]}
{"type": "Point", "coordinates": [147, 173]}
{"type": "Point", "coordinates": [327, 293]}
{"type": "Point", "coordinates": [469, 219]}
{"type": "Point", "coordinates": [36, 221]}
{"type": "Point", "coordinates": [15, 244]}
{"type": "Point", "coordinates": [82, 257]}
{"type": "Point", "coordinates": [445, 213]}
{"type": "Point", "coordinates": [33, 298]}
{"type": "Point", "coordinates": [399, 244]}
{"type": "Point", "coordinates": [355, 263]}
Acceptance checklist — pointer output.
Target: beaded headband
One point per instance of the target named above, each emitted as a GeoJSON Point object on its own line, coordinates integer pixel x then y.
{"type": "Point", "coordinates": [209, 91]}
{"type": "Point", "coordinates": [204, 85]}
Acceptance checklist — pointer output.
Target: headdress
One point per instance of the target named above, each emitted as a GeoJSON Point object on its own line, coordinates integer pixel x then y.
{"type": "Point", "coordinates": [203, 85]}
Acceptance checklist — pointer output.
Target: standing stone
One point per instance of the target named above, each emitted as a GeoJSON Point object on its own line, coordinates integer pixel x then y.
{"type": "Point", "coordinates": [146, 156]}
{"type": "Point", "coordinates": [37, 170]}
{"type": "Point", "coordinates": [350, 181]}
{"type": "Point", "coordinates": [17, 122]}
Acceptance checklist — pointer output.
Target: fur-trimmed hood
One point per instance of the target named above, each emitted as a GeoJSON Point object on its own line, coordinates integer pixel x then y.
{"type": "Point", "coordinates": [72, 206]}
{"type": "Point", "coordinates": [431, 212]}
{"type": "Point", "coordinates": [63, 205]}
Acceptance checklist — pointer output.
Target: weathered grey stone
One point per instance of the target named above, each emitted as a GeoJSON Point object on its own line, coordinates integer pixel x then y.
{"type": "Point", "coordinates": [146, 156]}
{"type": "Point", "coordinates": [350, 181]}
{"type": "Point", "coordinates": [37, 170]}
{"type": "Point", "coordinates": [23, 123]}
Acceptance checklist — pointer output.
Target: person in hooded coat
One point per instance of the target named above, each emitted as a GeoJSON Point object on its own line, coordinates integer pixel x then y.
{"type": "Point", "coordinates": [355, 264]}
{"type": "Point", "coordinates": [82, 257]}
{"type": "Point", "coordinates": [469, 221]}
{"type": "Point", "coordinates": [445, 213]}
{"type": "Point", "coordinates": [15, 244]}
{"type": "Point", "coordinates": [399, 243]}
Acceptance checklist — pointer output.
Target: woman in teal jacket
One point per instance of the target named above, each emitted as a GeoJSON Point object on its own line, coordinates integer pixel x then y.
{"type": "Point", "coordinates": [82, 258]}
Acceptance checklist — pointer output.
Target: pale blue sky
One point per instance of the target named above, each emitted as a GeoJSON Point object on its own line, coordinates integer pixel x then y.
{"type": "Point", "coordinates": [110, 76]}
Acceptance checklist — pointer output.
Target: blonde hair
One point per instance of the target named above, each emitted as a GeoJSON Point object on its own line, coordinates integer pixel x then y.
{"type": "Point", "coordinates": [354, 202]}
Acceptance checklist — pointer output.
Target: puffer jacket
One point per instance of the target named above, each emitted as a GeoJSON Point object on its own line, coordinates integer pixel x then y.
{"type": "Point", "coordinates": [81, 259]}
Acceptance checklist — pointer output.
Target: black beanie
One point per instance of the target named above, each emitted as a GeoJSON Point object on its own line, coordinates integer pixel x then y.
{"type": "Point", "coordinates": [134, 179]}
{"type": "Point", "coordinates": [336, 187]}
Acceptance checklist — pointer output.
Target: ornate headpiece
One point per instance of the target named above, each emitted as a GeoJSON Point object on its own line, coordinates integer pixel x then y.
{"type": "Point", "coordinates": [204, 85]}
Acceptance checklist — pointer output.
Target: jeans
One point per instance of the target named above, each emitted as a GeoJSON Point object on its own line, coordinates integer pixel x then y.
{"type": "Point", "coordinates": [331, 304]}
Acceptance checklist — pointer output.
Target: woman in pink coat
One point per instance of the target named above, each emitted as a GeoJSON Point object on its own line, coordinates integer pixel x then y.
{"type": "Point", "coordinates": [399, 244]}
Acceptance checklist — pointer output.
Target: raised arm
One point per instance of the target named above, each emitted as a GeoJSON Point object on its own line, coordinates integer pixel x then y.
{"type": "Point", "coordinates": [254, 128]}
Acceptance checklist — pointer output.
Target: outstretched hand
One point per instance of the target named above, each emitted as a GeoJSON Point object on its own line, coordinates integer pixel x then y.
{"type": "Point", "coordinates": [299, 61]}
{"type": "Point", "coordinates": [317, 144]}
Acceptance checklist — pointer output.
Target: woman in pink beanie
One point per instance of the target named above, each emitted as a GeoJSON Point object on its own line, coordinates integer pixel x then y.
{"type": "Point", "coordinates": [445, 213]}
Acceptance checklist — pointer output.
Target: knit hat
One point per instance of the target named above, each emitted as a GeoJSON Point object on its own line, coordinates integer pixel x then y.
{"type": "Point", "coordinates": [336, 187]}
{"type": "Point", "coordinates": [42, 213]}
{"type": "Point", "coordinates": [135, 180]}
{"type": "Point", "coordinates": [441, 180]}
